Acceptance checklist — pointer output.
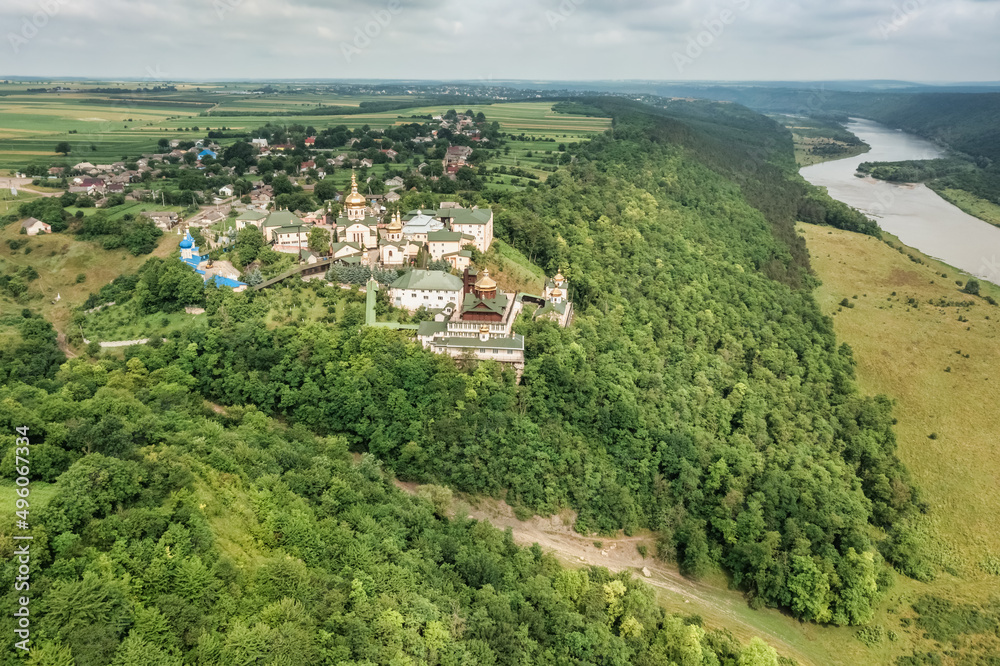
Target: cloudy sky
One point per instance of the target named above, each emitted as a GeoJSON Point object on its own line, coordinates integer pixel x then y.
{"type": "Point", "coordinates": [916, 40]}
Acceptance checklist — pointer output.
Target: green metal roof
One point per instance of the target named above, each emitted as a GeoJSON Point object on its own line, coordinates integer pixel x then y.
{"type": "Point", "coordinates": [551, 307]}
{"type": "Point", "coordinates": [429, 328]}
{"type": "Point", "coordinates": [466, 215]}
{"type": "Point", "coordinates": [337, 247]}
{"type": "Point", "coordinates": [251, 216]}
{"type": "Point", "coordinates": [428, 280]}
{"type": "Point", "coordinates": [283, 218]}
{"type": "Point", "coordinates": [444, 236]}
{"type": "Point", "coordinates": [496, 305]}
{"type": "Point", "coordinates": [289, 230]}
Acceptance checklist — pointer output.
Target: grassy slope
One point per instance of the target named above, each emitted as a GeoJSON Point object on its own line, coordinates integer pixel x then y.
{"type": "Point", "coordinates": [59, 258]}
{"type": "Point", "coordinates": [903, 352]}
{"type": "Point", "coordinates": [512, 270]}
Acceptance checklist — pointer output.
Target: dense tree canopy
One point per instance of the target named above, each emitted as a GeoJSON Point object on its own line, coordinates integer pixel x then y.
{"type": "Point", "coordinates": [699, 392]}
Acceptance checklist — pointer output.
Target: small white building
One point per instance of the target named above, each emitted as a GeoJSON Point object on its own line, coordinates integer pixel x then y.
{"type": "Point", "coordinates": [33, 227]}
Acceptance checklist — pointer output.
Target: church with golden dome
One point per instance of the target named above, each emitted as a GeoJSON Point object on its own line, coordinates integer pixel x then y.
{"type": "Point", "coordinates": [481, 323]}
{"type": "Point", "coordinates": [355, 204]}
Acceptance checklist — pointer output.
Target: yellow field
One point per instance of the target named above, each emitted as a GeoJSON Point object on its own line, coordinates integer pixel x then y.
{"type": "Point", "coordinates": [906, 353]}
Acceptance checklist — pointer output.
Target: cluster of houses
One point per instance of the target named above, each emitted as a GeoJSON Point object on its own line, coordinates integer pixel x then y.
{"type": "Point", "coordinates": [363, 234]}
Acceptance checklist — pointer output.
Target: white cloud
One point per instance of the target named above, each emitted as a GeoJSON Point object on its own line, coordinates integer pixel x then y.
{"type": "Point", "coordinates": [586, 39]}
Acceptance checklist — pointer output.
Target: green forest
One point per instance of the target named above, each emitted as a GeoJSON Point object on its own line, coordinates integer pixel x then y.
{"type": "Point", "coordinates": [699, 393]}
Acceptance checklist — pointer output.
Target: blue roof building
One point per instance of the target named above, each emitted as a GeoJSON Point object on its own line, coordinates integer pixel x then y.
{"type": "Point", "coordinates": [191, 255]}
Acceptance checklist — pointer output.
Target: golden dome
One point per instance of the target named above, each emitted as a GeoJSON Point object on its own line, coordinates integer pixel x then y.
{"type": "Point", "coordinates": [484, 329]}
{"type": "Point", "coordinates": [396, 224]}
{"type": "Point", "coordinates": [486, 283]}
{"type": "Point", "coordinates": [557, 293]}
{"type": "Point", "coordinates": [559, 276]}
{"type": "Point", "coordinates": [354, 200]}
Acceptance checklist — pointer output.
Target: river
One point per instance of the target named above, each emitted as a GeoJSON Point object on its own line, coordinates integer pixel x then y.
{"type": "Point", "coordinates": [913, 212]}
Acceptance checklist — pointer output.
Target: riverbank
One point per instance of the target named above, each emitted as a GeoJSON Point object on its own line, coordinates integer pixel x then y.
{"type": "Point", "coordinates": [986, 211]}
{"type": "Point", "coordinates": [913, 212]}
{"type": "Point", "coordinates": [819, 141]}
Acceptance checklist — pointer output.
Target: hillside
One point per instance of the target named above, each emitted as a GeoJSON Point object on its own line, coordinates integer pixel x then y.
{"type": "Point", "coordinates": [700, 397]}
{"type": "Point", "coordinates": [919, 339]}
{"type": "Point", "coordinates": [669, 405]}
{"type": "Point", "coordinates": [178, 534]}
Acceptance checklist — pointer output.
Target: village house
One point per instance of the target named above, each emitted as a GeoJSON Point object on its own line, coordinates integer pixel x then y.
{"type": "Point", "coordinates": [33, 227]}
{"type": "Point", "coordinates": [456, 156]}
{"type": "Point", "coordinates": [394, 182]}
{"type": "Point", "coordinates": [165, 220]}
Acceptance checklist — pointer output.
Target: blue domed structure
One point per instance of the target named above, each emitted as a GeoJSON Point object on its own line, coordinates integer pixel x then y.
{"type": "Point", "coordinates": [188, 241]}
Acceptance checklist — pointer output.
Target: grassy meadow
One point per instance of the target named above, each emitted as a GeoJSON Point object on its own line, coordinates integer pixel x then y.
{"type": "Point", "coordinates": [937, 363]}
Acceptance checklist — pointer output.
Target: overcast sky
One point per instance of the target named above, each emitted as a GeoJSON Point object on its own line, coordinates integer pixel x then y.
{"type": "Point", "coordinates": [916, 40]}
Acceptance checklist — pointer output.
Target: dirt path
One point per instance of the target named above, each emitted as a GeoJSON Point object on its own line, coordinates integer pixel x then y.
{"type": "Point", "coordinates": [720, 608]}
{"type": "Point", "coordinates": [64, 346]}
